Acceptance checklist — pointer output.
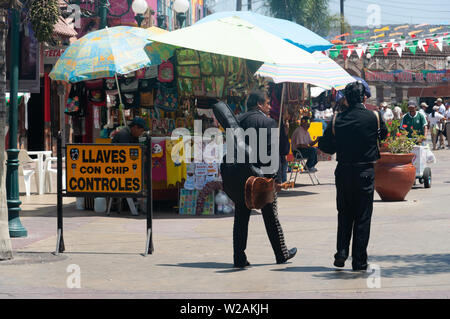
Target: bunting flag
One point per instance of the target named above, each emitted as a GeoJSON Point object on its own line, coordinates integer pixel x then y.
{"type": "Point", "coordinates": [414, 32]}
{"type": "Point", "coordinates": [359, 52]}
{"type": "Point", "coordinates": [334, 54]}
{"type": "Point", "coordinates": [342, 35]}
{"type": "Point", "coordinates": [421, 25]}
{"type": "Point", "coordinates": [413, 49]}
{"type": "Point", "coordinates": [435, 29]}
{"type": "Point", "coordinates": [401, 27]}
{"type": "Point", "coordinates": [397, 41]}
{"type": "Point", "coordinates": [377, 36]}
{"type": "Point", "coordinates": [381, 30]}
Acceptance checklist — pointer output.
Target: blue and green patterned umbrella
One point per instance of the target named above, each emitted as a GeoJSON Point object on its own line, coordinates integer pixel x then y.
{"type": "Point", "coordinates": [105, 53]}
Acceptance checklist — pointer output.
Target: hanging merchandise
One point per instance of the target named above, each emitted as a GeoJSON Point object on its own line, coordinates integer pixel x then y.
{"type": "Point", "coordinates": [129, 85]}
{"type": "Point", "coordinates": [206, 64]}
{"type": "Point", "coordinates": [176, 166]}
{"type": "Point", "coordinates": [147, 99]}
{"type": "Point", "coordinates": [159, 172]}
{"type": "Point", "coordinates": [76, 105]}
{"type": "Point", "coordinates": [130, 100]}
{"type": "Point", "coordinates": [109, 84]}
{"type": "Point", "coordinates": [165, 72]}
{"type": "Point", "coordinates": [166, 98]}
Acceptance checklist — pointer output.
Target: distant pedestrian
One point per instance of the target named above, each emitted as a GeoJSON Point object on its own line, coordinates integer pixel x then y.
{"type": "Point", "coordinates": [447, 122]}
{"type": "Point", "coordinates": [398, 114]}
{"type": "Point", "coordinates": [386, 112]}
{"type": "Point", "coordinates": [440, 105]}
{"type": "Point", "coordinates": [353, 136]}
{"type": "Point", "coordinates": [414, 121]}
{"type": "Point", "coordinates": [437, 127]}
{"type": "Point", "coordinates": [423, 111]}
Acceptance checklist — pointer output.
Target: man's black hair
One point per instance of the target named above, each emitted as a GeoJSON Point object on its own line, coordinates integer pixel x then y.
{"type": "Point", "coordinates": [354, 93]}
{"type": "Point", "coordinates": [256, 97]}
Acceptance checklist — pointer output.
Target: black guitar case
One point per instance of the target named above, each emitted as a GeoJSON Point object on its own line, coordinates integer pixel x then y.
{"type": "Point", "coordinates": [234, 175]}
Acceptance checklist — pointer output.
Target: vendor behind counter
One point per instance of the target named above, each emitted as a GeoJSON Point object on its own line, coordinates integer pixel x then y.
{"type": "Point", "coordinates": [131, 133]}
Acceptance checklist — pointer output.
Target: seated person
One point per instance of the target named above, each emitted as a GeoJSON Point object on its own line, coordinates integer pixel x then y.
{"type": "Point", "coordinates": [301, 142]}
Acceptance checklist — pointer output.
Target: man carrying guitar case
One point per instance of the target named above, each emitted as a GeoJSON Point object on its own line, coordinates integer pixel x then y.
{"type": "Point", "coordinates": [236, 176]}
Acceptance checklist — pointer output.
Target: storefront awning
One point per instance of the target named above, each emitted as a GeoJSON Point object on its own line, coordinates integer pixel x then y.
{"type": "Point", "coordinates": [63, 29]}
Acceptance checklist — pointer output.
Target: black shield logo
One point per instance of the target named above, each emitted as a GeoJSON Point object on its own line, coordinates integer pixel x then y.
{"type": "Point", "coordinates": [74, 154]}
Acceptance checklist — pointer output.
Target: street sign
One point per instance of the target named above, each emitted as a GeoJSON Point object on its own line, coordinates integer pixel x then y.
{"type": "Point", "coordinates": [109, 169]}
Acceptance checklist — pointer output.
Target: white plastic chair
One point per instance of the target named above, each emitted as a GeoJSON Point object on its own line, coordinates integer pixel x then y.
{"type": "Point", "coordinates": [26, 170]}
{"type": "Point", "coordinates": [49, 172]}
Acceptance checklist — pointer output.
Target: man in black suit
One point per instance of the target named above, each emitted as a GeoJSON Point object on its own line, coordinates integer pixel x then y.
{"type": "Point", "coordinates": [235, 176]}
{"type": "Point", "coordinates": [354, 140]}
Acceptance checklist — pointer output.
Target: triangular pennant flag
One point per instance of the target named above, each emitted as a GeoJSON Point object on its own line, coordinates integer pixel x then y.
{"type": "Point", "coordinates": [386, 51]}
{"type": "Point", "coordinates": [364, 48]}
{"type": "Point", "coordinates": [372, 51]}
{"type": "Point", "coordinates": [399, 51]}
{"type": "Point", "coordinates": [345, 53]}
{"type": "Point", "coordinates": [334, 54]}
{"type": "Point", "coordinates": [413, 49]}
{"type": "Point", "coordinates": [425, 48]}
{"type": "Point", "coordinates": [440, 45]}
{"type": "Point", "coordinates": [403, 44]}
{"type": "Point", "coordinates": [359, 52]}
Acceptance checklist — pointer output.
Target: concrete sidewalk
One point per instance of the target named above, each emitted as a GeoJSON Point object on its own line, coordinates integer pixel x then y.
{"type": "Point", "coordinates": [410, 243]}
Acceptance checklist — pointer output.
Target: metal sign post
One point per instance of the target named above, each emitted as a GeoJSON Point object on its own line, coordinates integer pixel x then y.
{"type": "Point", "coordinates": [149, 247]}
{"type": "Point", "coordinates": [60, 241]}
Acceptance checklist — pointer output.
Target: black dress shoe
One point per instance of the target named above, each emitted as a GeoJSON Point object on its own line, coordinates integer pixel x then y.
{"type": "Point", "coordinates": [291, 254]}
{"type": "Point", "coordinates": [339, 262]}
{"type": "Point", "coordinates": [241, 265]}
{"type": "Point", "coordinates": [359, 267]}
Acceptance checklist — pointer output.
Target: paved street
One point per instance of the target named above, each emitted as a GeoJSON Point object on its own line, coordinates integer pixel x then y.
{"type": "Point", "coordinates": [410, 243]}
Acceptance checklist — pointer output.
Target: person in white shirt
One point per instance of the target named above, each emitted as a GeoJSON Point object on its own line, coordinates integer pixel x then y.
{"type": "Point", "coordinates": [398, 114]}
{"type": "Point", "coordinates": [423, 108]}
{"type": "Point", "coordinates": [447, 122]}
{"type": "Point", "coordinates": [436, 121]}
{"type": "Point", "coordinates": [441, 107]}
{"type": "Point", "coordinates": [386, 113]}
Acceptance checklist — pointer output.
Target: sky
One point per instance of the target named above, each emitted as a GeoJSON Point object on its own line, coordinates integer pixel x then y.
{"type": "Point", "coordinates": [371, 12]}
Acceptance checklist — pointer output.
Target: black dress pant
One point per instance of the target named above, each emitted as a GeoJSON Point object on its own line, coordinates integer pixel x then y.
{"type": "Point", "coordinates": [355, 188]}
{"type": "Point", "coordinates": [273, 229]}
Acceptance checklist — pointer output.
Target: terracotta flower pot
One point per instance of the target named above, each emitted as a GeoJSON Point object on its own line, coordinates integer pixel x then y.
{"type": "Point", "coordinates": [394, 176]}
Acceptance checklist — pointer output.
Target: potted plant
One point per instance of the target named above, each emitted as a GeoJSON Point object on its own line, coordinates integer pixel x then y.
{"type": "Point", "coordinates": [394, 172]}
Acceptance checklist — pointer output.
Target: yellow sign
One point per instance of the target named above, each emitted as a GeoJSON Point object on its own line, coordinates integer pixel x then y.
{"type": "Point", "coordinates": [104, 168]}
{"type": "Point", "coordinates": [315, 130]}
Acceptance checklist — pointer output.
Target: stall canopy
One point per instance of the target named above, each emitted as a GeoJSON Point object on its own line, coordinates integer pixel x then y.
{"type": "Point", "coordinates": [231, 36]}
{"type": "Point", "coordinates": [104, 53]}
{"type": "Point", "coordinates": [283, 29]}
{"type": "Point", "coordinates": [324, 73]}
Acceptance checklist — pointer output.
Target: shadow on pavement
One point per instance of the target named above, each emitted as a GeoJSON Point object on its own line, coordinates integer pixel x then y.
{"type": "Point", "coordinates": [227, 267]}
{"type": "Point", "coordinates": [160, 211]}
{"type": "Point", "coordinates": [304, 269]}
{"type": "Point", "coordinates": [292, 193]}
{"type": "Point", "coordinates": [408, 265]}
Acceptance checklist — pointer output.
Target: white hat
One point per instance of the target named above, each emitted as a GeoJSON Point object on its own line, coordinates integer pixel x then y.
{"type": "Point", "coordinates": [384, 104]}
{"type": "Point", "coordinates": [424, 104]}
{"type": "Point", "coordinates": [435, 108]}
{"type": "Point", "coordinates": [439, 100]}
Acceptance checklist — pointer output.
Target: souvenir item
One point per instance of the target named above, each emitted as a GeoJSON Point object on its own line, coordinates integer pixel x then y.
{"type": "Point", "coordinates": [165, 72]}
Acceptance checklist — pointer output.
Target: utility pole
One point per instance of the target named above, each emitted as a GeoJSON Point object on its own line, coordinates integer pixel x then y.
{"type": "Point", "coordinates": [249, 5]}
{"type": "Point", "coordinates": [238, 5]}
{"type": "Point", "coordinates": [342, 19]}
